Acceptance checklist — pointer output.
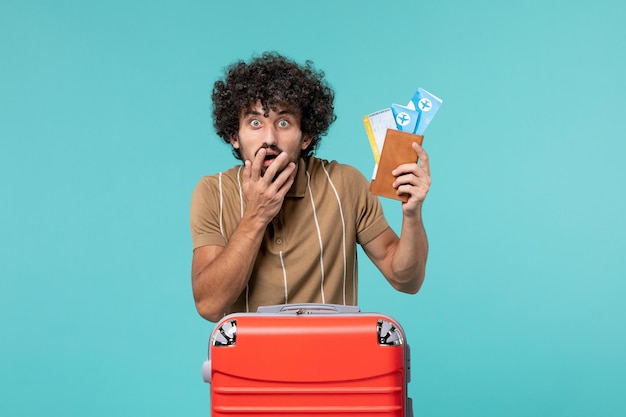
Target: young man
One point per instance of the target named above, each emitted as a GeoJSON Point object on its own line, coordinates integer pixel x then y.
{"type": "Point", "coordinates": [283, 227]}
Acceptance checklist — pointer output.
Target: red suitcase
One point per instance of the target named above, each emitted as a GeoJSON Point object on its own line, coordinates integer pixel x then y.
{"type": "Point", "coordinates": [308, 360]}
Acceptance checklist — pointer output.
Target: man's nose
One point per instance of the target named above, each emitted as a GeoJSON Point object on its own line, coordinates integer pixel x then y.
{"type": "Point", "coordinates": [270, 135]}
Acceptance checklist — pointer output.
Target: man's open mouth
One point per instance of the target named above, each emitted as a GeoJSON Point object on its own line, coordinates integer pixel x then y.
{"type": "Point", "coordinates": [271, 153]}
{"type": "Point", "coordinates": [269, 160]}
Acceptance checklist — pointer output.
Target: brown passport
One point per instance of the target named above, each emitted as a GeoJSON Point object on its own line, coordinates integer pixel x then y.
{"type": "Point", "coordinates": [397, 150]}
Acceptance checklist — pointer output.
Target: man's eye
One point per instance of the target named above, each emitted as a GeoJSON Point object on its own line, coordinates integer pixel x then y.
{"type": "Point", "coordinates": [255, 123]}
{"type": "Point", "coordinates": [283, 123]}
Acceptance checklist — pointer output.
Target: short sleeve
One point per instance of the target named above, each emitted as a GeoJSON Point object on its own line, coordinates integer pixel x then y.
{"type": "Point", "coordinates": [205, 218]}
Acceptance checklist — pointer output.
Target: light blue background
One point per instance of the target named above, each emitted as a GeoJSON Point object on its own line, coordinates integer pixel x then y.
{"type": "Point", "coordinates": [105, 129]}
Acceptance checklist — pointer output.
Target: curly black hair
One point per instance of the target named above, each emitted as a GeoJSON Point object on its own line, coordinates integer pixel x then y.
{"type": "Point", "coordinates": [275, 81]}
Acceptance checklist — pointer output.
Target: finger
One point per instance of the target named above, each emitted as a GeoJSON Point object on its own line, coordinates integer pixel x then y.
{"type": "Point", "coordinates": [285, 179]}
{"type": "Point", "coordinates": [423, 157]}
{"type": "Point", "coordinates": [280, 162]}
{"type": "Point", "coordinates": [416, 191]}
{"type": "Point", "coordinates": [257, 164]}
{"type": "Point", "coordinates": [406, 169]}
{"type": "Point", "coordinates": [247, 170]}
{"type": "Point", "coordinates": [416, 176]}
{"type": "Point", "coordinates": [410, 180]}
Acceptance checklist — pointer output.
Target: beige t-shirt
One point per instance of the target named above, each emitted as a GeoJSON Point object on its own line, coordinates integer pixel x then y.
{"type": "Point", "coordinates": [308, 253]}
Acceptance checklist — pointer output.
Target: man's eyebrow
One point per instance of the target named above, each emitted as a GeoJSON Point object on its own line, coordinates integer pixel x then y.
{"type": "Point", "coordinates": [252, 112]}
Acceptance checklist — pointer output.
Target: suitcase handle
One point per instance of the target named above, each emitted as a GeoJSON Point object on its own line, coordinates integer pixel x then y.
{"type": "Point", "coordinates": [308, 308]}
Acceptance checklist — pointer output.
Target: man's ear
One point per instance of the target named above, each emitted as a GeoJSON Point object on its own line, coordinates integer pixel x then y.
{"type": "Point", "coordinates": [306, 141]}
{"type": "Point", "coordinates": [234, 140]}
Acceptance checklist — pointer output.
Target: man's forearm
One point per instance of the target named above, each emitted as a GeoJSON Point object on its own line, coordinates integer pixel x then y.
{"type": "Point", "coordinates": [409, 259]}
{"type": "Point", "coordinates": [219, 282]}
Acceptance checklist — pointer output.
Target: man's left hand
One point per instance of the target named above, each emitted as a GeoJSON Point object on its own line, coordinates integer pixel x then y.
{"type": "Point", "coordinates": [413, 180]}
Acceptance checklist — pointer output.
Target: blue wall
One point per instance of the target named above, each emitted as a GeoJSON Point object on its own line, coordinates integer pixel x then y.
{"type": "Point", "coordinates": [105, 129]}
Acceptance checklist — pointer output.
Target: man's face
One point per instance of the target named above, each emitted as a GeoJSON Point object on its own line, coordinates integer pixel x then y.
{"type": "Point", "coordinates": [278, 132]}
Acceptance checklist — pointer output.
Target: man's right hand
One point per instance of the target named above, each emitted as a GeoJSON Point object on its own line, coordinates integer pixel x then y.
{"type": "Point", "coordinates": [264, 192]}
